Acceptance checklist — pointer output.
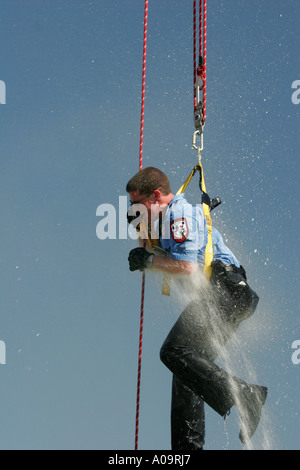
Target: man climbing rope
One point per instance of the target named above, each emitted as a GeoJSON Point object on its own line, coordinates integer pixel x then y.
{"type": "Point", "coordinates": [208, 321]}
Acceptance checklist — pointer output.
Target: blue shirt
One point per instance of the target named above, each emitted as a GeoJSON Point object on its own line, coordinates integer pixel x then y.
{"type": "Point", "coordinates": [184, 234]}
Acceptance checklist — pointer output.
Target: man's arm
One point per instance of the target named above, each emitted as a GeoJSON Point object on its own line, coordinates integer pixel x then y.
{"type": "Point", "coordinates": [172, 266]}
{"type": "Point", "coordinates": [140, 259]}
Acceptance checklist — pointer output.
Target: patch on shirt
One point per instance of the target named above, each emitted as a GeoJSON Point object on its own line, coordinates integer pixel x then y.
{"type": "Point", "coordinates": [179, 230]}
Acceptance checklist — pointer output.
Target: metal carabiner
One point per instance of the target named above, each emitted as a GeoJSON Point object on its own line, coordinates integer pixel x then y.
{"type": "Point", "coordinates": [200, 147]}
{"type": "Point", "coordinates": [200, 134]}
{"type": "Point", "coordinates": [197, 83]}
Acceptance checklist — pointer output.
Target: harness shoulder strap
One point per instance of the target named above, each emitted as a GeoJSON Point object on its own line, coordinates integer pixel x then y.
{"type": "Point", "coordinates": [208, 205]}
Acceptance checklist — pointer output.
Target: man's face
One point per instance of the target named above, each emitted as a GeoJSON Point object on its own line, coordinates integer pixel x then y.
{"type": "Point", "coordinates": [137, 198]}
{"type": "Point", "coordinates": [152, 203]}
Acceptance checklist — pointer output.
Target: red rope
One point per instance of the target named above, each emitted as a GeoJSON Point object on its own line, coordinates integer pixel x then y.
{"type": "Point", "coordinates": [204, 61]}
{"type": "Point", "coordinates": [194, 52]}
{"type": "Point", "coordinates": [139, 365]}
{"type": "Point", "coordinates": [143, 277]}
{"type": "Point", "coordinates": [201, 69]}
{"type": "Point", "coordinates": [198, 71]}
{"type": "Point", "coordinates": [143, 84]}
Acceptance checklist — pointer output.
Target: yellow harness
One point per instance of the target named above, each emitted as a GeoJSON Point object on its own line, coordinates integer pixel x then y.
{"type": "Point", "coordinates": [209, 252]}
{"type": "Point", "coordinates": [208, 205]}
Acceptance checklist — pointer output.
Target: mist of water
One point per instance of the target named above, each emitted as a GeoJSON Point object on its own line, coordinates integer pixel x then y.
{"type": "Point", "coordinates": [233, 356]}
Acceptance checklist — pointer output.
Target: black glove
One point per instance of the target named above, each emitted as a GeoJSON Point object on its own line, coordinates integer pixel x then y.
{"type": "Point", "coordinates": [139, 258]}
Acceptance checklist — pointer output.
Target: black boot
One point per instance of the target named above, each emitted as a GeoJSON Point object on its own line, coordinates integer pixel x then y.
{"type": "Point", "coordinates": [249, 403]}
{"type": "Point", "coordinates": [216, 387]}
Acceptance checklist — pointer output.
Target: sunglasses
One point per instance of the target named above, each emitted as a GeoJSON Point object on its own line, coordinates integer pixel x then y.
{"type": "Point", "coordinates": [140, 201]}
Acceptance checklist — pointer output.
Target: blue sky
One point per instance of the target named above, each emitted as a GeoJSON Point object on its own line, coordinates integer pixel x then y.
{"type": "Point", "coordinates": [69, 143]}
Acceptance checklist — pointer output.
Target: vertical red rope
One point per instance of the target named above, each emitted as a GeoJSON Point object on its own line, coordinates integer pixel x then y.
{"type": "Point", "coordinates": [194, 52]}
{"type": "Point", "coordinates": [201, 69]}
{"type": "Point", "coordinates": [143, 84]}
{"type": "Point", "coordinates": [200, 27]}
{"type": "Point", "coordinates": [143, 277]}
{"type": "Point", "coordinates": [139, 365]}
{"type": "Point", "coordinates": [204, 60]}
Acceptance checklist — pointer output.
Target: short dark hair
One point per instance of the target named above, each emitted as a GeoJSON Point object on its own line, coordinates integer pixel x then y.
{"type": "Point", "coordinates": [148, 180]}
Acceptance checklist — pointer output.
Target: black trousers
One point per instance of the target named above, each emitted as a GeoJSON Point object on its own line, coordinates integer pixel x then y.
{"type": "Point", "coordinates": [194, 343]}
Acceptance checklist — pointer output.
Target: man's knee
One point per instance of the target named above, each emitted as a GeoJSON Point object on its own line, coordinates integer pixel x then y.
{"type": "Point", "coordinates": [254, 300]}
{"type": "Point", "coordinates": [165, 354]}
{"type": "Point", "coordinates": [171, 353]}
{"type": "Point", "coordinates": [247, 298]}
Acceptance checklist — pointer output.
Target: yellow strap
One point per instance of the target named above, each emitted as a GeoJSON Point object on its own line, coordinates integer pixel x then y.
{"type": "Point", "coordinates": [209, 252]}
{"type": "Point", "coordinates": [187, 181]}
{"type": "Point", "coordinates": [165, 290]}
{"type": "Point", "coordinates": [151, 242]}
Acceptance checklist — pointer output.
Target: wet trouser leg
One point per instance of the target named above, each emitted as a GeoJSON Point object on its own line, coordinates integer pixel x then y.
{"type": "Point", "coordinates": [189, 351]}
{"type": "Point", "coordinates": [187, 418]}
